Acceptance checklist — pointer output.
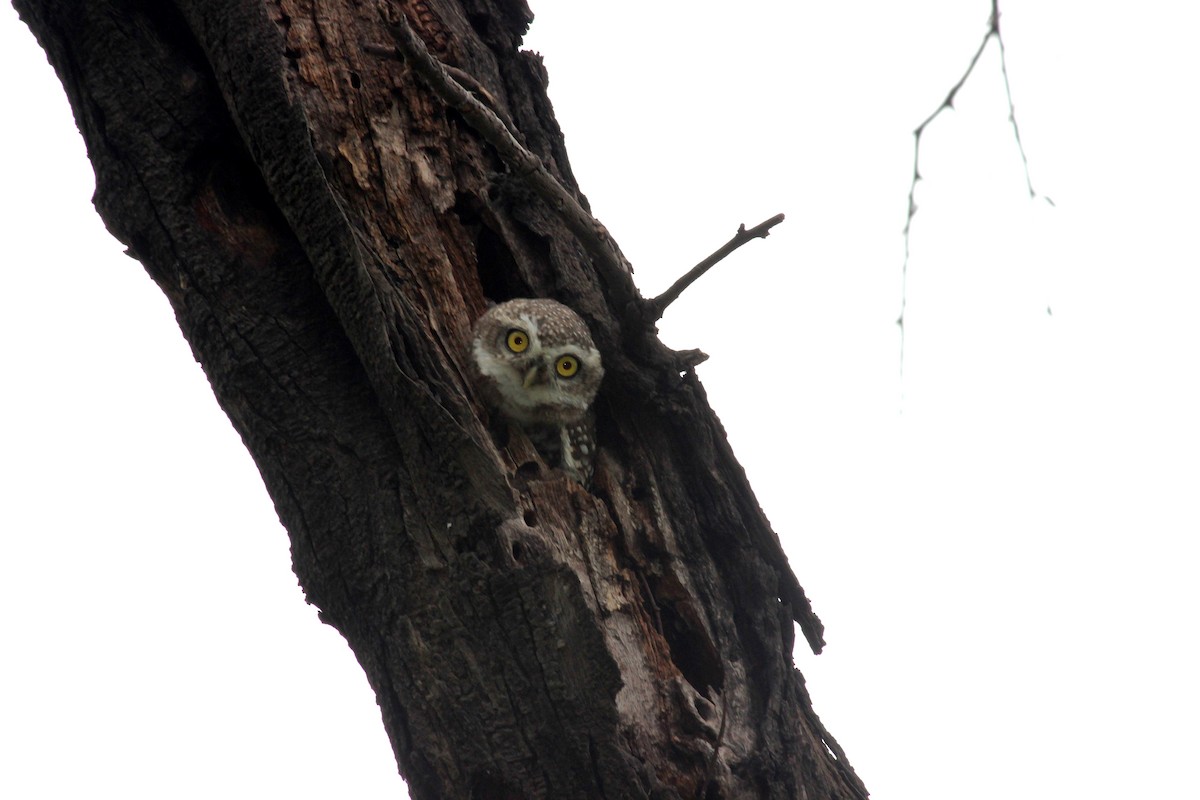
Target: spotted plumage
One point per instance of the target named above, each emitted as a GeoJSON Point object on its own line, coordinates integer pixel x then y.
{"type": "Point", "coordinates": [539, 369]}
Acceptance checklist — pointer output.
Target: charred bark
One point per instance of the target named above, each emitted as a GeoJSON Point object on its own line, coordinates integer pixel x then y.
{"type": "Point", "coordinates": [326, 230]}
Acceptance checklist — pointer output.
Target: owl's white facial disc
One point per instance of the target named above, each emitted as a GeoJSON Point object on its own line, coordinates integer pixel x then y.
{"type": "Point", "coordinates": [534, 386]}
{"type": "Point", "coordinates": [530, 384]}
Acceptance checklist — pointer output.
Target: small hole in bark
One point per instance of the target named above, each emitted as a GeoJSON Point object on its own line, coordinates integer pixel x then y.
{"type": "Point", "coordinates": [691, 649]}
{"type": "Point", "coordinates": [480, 23]}
{"type": "Point", "coordinates": [531, 518]}
{"type": "Point", "coordinates": [518, 551]}
{"type": "Point", "coordinates": [528, 470]}
{"type": "Point", "coordinates": [355, 81]}
{"type": "Point", "coordinates": [497, 264]}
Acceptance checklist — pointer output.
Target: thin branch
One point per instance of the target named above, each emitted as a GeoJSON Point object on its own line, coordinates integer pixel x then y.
{"type": "Point", "coordinates": [464, 78]}
{"type": "Point", "coordinates": [594, 236]}
{"type": "Point", "coordinates": [658, 305]}
{"type": "Point", "coordinates": [947, 104]}
{"type": "Point", "coordinates": [1012, 111]}
{"type": "Point", "coordinates": [993, 31]}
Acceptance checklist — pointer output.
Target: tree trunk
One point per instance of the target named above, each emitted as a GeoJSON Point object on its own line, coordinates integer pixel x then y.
{"type": "Point", "coordinates": [326, 229]}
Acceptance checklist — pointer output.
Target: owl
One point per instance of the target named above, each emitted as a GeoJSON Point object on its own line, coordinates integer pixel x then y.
{"type": "Point", "coordinates": [539, 369]}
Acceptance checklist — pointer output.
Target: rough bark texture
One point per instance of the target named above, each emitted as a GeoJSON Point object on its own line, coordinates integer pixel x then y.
{"type": "Point", "coordinates": [326, 231]}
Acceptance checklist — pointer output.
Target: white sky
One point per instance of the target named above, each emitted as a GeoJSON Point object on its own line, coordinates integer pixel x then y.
{"type": "Point", "coordinates": [1002, 545]}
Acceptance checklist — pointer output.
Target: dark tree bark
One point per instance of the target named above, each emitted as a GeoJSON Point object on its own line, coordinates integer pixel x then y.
{"type": "Point", "coordinates": [326, 230]}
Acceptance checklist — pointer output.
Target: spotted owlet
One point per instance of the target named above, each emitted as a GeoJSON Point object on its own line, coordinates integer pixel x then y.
{"type": "Point", "coordinates": [539, 368]}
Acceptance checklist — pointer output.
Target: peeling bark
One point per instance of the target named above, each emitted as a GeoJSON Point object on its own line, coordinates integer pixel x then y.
{"type": "Point", "coordinates": [326, 231]}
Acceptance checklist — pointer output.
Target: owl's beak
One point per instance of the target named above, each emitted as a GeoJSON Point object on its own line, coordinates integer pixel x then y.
{"type": "Point", "coordinates": [534, 375]}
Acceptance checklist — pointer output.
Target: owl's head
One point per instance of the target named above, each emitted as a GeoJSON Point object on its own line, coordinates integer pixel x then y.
{"type": "Point", "coordinates": [538, 362]}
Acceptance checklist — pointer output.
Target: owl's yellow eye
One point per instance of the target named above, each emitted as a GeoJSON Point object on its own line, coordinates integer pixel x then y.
{"type": "Point", "coordinates": [517, 340]}
{"type": "Point", "coordinates": [566, 366]}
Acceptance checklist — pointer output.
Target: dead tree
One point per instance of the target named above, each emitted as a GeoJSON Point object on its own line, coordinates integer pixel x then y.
{"type": "Point", "coordinates": [327, 217]}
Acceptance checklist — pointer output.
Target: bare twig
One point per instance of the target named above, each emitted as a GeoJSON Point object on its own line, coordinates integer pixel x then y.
{"type": "Point", "coordinates": [1012, 111]}
{"type": "Point", "coordinates": [947, 104]}
{"type": "Point", "coordinates": [993, 31]}
{"type": "Point", "coordinates": [464, 78]}
{"type": "Point", "coordinates": [594, 236]}
{"type": "Point", "coordinates": [762, 230]}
